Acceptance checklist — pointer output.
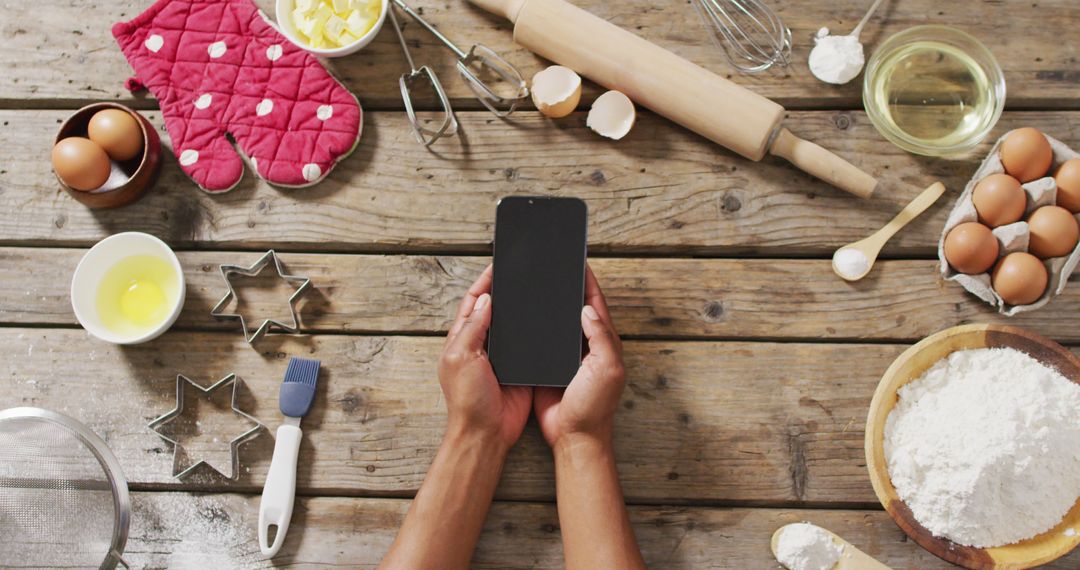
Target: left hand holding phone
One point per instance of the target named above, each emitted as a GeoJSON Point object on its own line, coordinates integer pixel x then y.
{"type": "Point", "coordinates": [476, 404]}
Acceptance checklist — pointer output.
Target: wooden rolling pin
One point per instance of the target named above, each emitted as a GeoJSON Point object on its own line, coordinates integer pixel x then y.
{"type": "Point", "coordinates": [686, 93]}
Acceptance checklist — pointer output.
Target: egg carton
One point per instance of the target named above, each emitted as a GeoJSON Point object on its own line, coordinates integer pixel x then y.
{"type": "Point", "coordinates": [1011, 237]}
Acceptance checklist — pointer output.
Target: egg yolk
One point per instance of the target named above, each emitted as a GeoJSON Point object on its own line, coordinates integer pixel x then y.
{"type": "Point", "coordinates": [142, 302]}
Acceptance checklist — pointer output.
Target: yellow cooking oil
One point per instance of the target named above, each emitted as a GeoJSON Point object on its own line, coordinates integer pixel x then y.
{"type": "Point", "coordinates": [934, 93]}
{"type": "Point", "coordinates": [137, 294]}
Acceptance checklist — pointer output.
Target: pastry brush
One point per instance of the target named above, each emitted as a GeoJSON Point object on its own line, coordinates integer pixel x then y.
{"type": "Point", "coordinates": [275, 508]}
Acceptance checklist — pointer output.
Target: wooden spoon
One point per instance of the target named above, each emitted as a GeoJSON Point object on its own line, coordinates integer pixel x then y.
{"type": "Point", "coordinates": [851, 559]}
{"type": "Point", "coordinates": [869, 248]}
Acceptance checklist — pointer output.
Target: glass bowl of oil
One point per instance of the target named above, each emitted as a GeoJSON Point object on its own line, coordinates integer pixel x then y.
{"type": "Point", "coordinates": [933, 90]}
{"type": "Point", "coordinates": [129, 288]}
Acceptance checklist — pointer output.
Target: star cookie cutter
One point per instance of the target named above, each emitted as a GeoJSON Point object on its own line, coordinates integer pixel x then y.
{"type": "Point", "coordinates": [234, 444]}
{"type": "Point", "coordinates": [230, 270]}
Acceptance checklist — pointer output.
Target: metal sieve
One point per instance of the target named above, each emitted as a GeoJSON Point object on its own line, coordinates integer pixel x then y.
{"type": "Point", "coordinates": [63, 499]}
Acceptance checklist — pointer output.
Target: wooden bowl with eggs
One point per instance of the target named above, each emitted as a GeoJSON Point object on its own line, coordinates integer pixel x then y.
{"type": "Point", "coordinates": [129, 178]}
{"type": "Point", "coordinates": [911, 365]}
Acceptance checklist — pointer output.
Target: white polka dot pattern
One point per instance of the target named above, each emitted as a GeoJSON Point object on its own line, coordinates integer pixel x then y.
{"type": "Point", "coordinates": [216, 49]}
{"type": "Point", "coordinates": [154, 42]}
{"type": "Point", "coordinates": [203, 101]}
{"type": "Point", "coordinates": [264, 107]}
{"type": "Point", "coordinates": [324, 112]}
{"type": "Point", "coordinates": [189, 157]}
{"type": "Point", "coordinates": [274, 52]}
{"type": "Point", "coordinates": [312, 172]}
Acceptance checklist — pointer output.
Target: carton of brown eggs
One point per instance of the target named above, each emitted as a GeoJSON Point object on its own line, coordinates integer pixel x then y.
{"type": "Point", "coordinates": [1015, 253]}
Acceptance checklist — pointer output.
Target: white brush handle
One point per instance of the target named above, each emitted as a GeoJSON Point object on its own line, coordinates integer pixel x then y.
{"type": "Point", "coordinates": [275, 508]}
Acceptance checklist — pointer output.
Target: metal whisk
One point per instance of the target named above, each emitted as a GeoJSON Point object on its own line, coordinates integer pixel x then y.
{"type": "Point", "coordinates": [754, 38]}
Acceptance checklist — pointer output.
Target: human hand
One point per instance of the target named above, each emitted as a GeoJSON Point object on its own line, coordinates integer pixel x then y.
{"type": "Point", "coordinates": [476, 404]}
{"type": "Point", "coordinates": [587, 406]}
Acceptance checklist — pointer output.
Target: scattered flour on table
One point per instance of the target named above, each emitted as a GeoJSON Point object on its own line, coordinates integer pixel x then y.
{"type": "Point", "coordinates": [804, 546]}
{"type": "Point", "coordinates": [836, 59]}
{"type": "Point", "coordinates": [183, 530]}
{"type": "Point", "coordinates": [983, 447]}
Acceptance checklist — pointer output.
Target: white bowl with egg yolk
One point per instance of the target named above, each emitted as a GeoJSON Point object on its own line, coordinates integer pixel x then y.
{"type": "Point", "coordinates": [100, 260]}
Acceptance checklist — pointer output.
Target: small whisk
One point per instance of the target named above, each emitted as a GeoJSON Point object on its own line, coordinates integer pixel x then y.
{"type": "Point", "coordinates": [408, 81]}
{"type": "Point", "coordinates": [754, 38]}
{"type": "Point", "coordinates": [479, 66]}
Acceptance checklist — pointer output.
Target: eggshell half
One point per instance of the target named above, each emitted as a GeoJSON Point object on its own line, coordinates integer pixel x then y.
{"type": "Point", "coordinates": [556, 91]}
{"type": "Point", "coordinates": [612, 115]}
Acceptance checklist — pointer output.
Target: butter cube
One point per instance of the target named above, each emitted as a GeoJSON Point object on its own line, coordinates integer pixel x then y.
{"type": "Point", "coordinates": [302, 22]}
{"type": "Point", "coordinates": [358, 24]}
{"type": "Point", "coordinates": [370, 7]}
{"type": "Point", "coordinates": [340, 7]}
{"type": "Point", "coordinates": [334, 28]}
{"type": "Point", "coordinates": [313, 27]}
{"type": "Point", "coordinates": [306, 6]}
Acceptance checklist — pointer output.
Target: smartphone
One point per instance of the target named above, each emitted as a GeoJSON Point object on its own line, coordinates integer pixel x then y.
{"type": "Point", "coordinates": [538, 290]}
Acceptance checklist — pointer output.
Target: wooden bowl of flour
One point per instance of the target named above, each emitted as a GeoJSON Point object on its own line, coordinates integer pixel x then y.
{"type": "Point", "coordinates": [912, 364]}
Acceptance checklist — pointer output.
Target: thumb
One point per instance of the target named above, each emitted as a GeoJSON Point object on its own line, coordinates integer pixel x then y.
{"type": "Point", "coordinates": [473, 331]}
{"type": "Point", "coordinates": [603, 343]}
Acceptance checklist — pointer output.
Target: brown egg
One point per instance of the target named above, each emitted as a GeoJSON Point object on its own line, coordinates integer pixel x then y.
{"type": "Point", "coordinates": [1054, 232]}
{"type": "Point", "coordinates": [971, 248]}
{"type": "Point", "coordinates": [1026, 154]}
{"type": "Point", "coordinates": [999, 200]}
{"type": "Point", "coordinates": [117, 132]}
{"type": "Point", "coordinates": [1020, 278]}
{"type": "Point", "coordinates": [80, 163]}
{"type": "Point", "coordinates": [1068, 185]}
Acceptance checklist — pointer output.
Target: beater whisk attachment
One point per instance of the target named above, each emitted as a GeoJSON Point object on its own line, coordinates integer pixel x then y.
{"type": "Point", "coordinates": [753, 37]}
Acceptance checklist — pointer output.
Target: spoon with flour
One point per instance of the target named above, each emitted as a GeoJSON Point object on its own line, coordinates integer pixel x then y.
{"type": "Point", "coordinates": [839, 59]}
{"type": "Point", "coordinates": [805, 546]}
{"type": "Point", "coordinates": [853, 261]}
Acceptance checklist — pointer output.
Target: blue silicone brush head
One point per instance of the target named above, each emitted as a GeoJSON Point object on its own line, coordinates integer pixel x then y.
{"type": "Point", "coordinates": [298, 389]}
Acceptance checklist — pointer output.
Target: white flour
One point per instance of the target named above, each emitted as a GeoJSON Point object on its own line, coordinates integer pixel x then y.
{"type": "Point", "coordinates": [804, 546]}
{"type": "Point", "coordinates": [983, 447]}
{"type": "Point", "coordinates": [850, 262]}
{"type": "Point", "coordinates": [836, 59]}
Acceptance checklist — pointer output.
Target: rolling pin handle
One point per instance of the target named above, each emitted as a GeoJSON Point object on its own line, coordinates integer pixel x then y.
{"type": "Point", "coordinates": [823, 164]}
{"type": "Point", "coordinates": [506, 8]}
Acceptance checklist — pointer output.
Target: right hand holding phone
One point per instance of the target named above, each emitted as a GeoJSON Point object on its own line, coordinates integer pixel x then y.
{"type": "Point", "coordinates": [586, 408]}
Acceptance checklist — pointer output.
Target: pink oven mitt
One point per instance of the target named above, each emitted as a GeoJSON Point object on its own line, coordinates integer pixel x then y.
{"type": "Point", "coordinates": [219, 67]}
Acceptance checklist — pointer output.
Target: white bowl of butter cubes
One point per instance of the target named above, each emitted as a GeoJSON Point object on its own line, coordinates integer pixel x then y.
{"type": "Point", "coordinates": [331, 28]}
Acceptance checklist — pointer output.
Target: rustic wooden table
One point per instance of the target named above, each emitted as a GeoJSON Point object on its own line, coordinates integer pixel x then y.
{"type": "Point", "coordinates": [751, 365]}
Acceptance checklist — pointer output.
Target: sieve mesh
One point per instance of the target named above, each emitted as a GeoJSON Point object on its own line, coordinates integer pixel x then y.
{"type": "Point", "coordinates": [58, 506]}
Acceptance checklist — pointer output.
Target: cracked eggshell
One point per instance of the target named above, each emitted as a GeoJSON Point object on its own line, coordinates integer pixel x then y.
{"type": "Point", "coordinates": [556, 91]}
{"type": "Point", "coordinates": [612, 115]}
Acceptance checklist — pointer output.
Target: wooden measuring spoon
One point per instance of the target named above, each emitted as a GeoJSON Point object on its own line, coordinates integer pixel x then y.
{"type": "Point", "coordinates": [851, 559]}
{"type": "Point", "coordinates": [869, 248]}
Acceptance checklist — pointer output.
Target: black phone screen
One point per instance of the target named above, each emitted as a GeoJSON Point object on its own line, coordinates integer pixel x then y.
{"type": "Point", "coordinates": [538, 290]}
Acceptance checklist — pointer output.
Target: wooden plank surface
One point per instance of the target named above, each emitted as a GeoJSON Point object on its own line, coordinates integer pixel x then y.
{"type": "Point", "coordinates": [699, 421]}
{"type": "Point", "coordinates": [200, 531]}
{"type": "Point", "coordinates": [661, 190]}
{"type": "Point", "coordinates": [179, 531]}
{"type": "Point", "coordinates": [719, 441]}
{"type": "Point", "coordinates": [650, 297]}
{"type": "Point", "coordinates": [47, 58]}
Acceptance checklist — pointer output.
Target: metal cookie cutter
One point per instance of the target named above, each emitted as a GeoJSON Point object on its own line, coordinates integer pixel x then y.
{"type": "Point", "coordinates": [234, 444]}
{"type": "Point", "coordinates": [229, 270]}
